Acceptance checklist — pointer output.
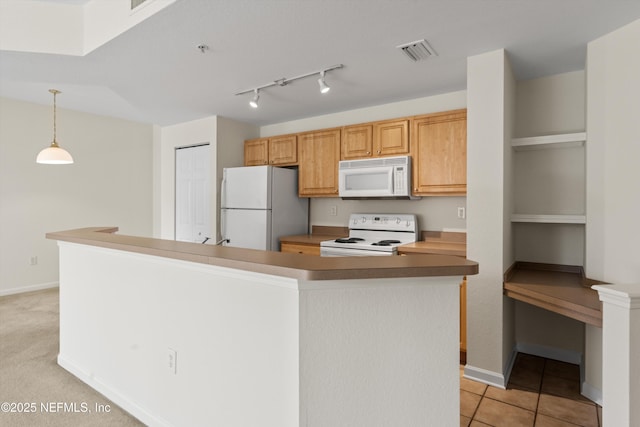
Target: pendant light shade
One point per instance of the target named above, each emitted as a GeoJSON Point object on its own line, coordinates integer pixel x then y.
{"type": "Point", "coordinates": [53, 154]}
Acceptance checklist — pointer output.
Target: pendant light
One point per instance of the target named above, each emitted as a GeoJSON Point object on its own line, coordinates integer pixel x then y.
{"type": "Point", "coordinates": [53, 154]}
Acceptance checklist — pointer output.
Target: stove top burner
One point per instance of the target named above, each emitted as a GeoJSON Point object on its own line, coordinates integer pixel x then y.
{"type": "Point", "coordinates": [349, 240]}
{"type": "Point", "coordinates": [387, 242]}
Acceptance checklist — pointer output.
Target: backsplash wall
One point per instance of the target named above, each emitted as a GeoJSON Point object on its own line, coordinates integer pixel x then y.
{"type": "Point", "coordinates": [434, 213]}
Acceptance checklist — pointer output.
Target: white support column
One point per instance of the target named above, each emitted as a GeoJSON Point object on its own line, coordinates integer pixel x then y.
{"type": "Point", "coordinates": [621, 354]}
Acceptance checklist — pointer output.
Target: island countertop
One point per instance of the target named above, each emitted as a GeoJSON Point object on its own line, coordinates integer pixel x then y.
{"type": "Point", "coordinates": [297, 266]}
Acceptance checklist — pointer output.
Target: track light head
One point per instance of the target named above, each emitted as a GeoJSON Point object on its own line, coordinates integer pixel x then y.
{"type": "Point", "coordinates": [254, 101]}
{"type": "Point", "coordinates": [324, 88]}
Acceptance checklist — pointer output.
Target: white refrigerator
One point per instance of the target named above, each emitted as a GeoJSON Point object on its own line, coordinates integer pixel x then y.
{"type": "Point", "coordinates": [259, 204]}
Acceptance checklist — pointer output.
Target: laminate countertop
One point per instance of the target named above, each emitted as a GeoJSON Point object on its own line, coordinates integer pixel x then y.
{"type": "Point", "coordinates": [295, 266]}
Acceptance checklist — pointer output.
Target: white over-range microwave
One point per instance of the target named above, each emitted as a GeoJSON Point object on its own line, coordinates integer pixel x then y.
{"type": "Point", "coordinates": [383, 177]}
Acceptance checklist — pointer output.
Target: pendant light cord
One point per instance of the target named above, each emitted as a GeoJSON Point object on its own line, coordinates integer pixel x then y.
{"type": "Point", "coordinates": [55, 92]}
{"type": "Point", "coordinates": [54, 115]}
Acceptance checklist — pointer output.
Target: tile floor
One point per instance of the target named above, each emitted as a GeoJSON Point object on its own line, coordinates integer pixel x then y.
{"type": "Point", "coordinates": [541, 393]}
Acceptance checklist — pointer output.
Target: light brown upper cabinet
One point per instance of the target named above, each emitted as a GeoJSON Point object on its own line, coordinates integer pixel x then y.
{"type": "Point", "coordinates": [386, 138]}
{"type": "Point", "coordinates": [357, 142]}
{"type": "Point", "coordinates": [318, 156]}
{"type": "Point", "coordinates": [278, 150]}
{"type": "Point", "coordinates": [391, 138]}
{"type": "Point", "coordinates": [439, 150]}
{"type": "Point", "coordinates": [256, 152]}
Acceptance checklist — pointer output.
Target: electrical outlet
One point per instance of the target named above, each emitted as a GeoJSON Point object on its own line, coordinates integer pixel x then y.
{"type": "Point", "coordinates": [33, 260]}
{"type": "Point", "coordinates": [172, 360]}
{"type": "Point", "coordinates": [333, 211]}
{"type": "Point", "coordinates": [462, 214]}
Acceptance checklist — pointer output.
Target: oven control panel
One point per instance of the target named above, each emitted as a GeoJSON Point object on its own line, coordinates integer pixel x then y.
{"type": "Point", "coordinates": [386, 222]}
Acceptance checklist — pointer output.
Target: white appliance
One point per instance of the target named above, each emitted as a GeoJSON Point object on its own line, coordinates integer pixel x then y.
{"type": "Point", "coordinates": [373, 235]}
{"type": "Point", "coordinates": [384, 177]}
{"type": "Point", "coordinates": [259, 204]}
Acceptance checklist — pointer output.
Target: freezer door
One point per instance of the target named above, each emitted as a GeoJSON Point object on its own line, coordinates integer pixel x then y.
{"type": "Point", "coordinates": [246, 187]}
{"type": "Point", "coordinates": [246, 228]}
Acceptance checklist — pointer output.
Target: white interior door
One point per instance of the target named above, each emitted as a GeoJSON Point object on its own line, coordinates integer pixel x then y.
{"type": "Point", "coordinates": [193, 194]}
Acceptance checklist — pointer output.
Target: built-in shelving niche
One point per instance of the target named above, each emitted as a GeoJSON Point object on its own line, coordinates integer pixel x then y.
{"type": "Point", "coordinates": [548, 226]}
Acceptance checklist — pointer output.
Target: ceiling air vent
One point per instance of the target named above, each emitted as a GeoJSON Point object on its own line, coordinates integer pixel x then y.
{"type": "Point", "coordinates": [418, 50]}
{"type": "Point", "coordinates": [136, 3]}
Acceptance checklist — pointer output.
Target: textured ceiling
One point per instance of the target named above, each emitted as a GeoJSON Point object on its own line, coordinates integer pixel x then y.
{"type": "Point", "coordinates": [154, 72]}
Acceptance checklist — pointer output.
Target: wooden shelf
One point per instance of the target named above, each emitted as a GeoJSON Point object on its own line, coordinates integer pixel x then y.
{"type": "Point", "coordinates": [549, 219]}
{"type": "Point", "coordinates": [550, 141]}
{"type": "Point", "coordinates": [558, 288]}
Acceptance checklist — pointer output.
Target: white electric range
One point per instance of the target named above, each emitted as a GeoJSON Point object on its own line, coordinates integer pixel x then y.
{"type": "Point", "coordinates": [373, 235]}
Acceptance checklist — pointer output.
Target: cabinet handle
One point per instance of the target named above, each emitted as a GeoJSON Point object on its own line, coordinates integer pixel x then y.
{"type": "Point", "coordinates": [368, 152]}
{"type": "Point", "coordinates": [379, 151]}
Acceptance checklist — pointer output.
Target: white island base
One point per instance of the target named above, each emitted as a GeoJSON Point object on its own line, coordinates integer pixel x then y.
{"type": "Point", "coordinates": [255, 349]}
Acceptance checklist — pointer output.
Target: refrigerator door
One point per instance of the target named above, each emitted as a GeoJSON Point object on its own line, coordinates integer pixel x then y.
{"type": "Point", "coordinates": [246, 187]}
{"type": "Point", "coordinates": [246, 228]}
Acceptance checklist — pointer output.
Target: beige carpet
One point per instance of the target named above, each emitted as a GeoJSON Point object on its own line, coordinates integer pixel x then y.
{"type": "Point", "coordinates": [30, 378]}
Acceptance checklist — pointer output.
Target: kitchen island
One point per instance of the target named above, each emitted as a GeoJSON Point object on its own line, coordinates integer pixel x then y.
{"type": "Point", "coordinates": [187, 334]}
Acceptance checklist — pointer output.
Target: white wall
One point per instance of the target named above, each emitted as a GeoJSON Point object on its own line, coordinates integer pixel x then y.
{"type": "Point", "coordinates": [613, 150]}
{"type": "Point", "coordinates": [110, 183]}
{"type": "Point", "coordinates": [489, 93]}
{"type": "Point", "coordinates": [434, 213]}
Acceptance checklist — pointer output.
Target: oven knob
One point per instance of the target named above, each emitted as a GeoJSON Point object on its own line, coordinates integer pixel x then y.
{"type": "Point", "coordinates": [364, 219]}
{"type": "Point", "coordinates": [398, 220]}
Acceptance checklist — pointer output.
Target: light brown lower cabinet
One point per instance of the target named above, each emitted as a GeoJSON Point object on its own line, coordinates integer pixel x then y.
{"type": "Point", "coordinates": [299, 248]}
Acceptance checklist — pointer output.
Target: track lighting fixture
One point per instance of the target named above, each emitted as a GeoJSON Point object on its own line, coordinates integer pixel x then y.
{"type": "Point", "coordinates": [324, 88]}
{"type": "Point", "coordinates": [254, 100]}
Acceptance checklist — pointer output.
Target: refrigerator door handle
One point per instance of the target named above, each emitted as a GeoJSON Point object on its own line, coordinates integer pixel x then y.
{"type": "Point", "coordinates": [223, 190]}
{"type": "Point", "coordinates": [223, 211]}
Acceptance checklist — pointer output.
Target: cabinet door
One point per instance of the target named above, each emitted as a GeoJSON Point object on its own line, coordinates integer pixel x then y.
{"type": "Point", "coordinates": [439, 148]}
{"type": "Point", "coordinates": [391, 138]}
{"type": "Point", "coordinates": [256, 152]}
{"type": "Point", "coordinates": [296, 248]}
{"type": "Point", "coordinates": [357, 142]}
{"type": "Point", "coordinates": [283, 150]}
{"type": "Point", "coordinates": [318, 157]}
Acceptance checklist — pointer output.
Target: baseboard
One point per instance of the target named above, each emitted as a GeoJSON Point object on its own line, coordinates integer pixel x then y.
{"type": "Point", "coordinates": [30, 288]}
{"type": "Point", "coordinates": [591, 393]}
{"type": "Point", "coordinates": [96, 383]}
{"type": "Point", "coordinates": [484, 376]}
